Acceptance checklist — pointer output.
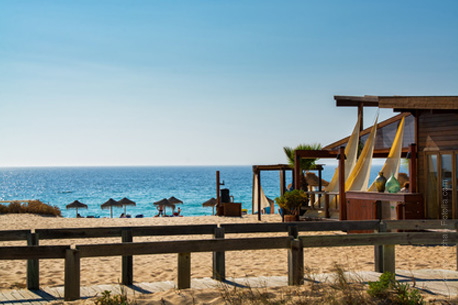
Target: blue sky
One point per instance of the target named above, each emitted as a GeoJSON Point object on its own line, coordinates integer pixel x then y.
{"type": "Point", "coordinates": [207, 82]}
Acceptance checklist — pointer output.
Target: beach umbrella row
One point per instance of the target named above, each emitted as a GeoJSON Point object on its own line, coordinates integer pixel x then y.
{"type": "Point", "coordinates": [107, 205]}
{"type": "Point", "coordinates": [171, 202]}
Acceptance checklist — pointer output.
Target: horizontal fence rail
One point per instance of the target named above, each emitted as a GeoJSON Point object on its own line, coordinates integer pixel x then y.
{"type": "Point", "coordinates": [384, 239]}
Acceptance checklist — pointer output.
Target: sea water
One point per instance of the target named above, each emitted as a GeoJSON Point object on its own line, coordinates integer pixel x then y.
{"type": "Point", "coordinates": [93, 186]}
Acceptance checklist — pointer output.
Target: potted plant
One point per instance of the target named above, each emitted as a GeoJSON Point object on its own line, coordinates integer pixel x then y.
{"type": "Point", "coordinates": [291, 203]}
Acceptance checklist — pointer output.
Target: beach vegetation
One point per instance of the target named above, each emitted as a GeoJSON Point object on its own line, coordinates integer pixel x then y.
{"type": "Point", "coordinates": [30, 207]}
{"type": "Point", "coordinates": [108, 299]}
{"type": "Point", "coordinates": [388, 288]}
{"type": "Point", "coordinates": [292, 201]}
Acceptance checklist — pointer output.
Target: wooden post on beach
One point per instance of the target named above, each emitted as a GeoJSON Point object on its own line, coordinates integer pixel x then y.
{"type": "Point", "coordinates": [378, 250]}
{"type": "Point", "coordinates": [342, 199]}
{"type": "Point", "coordinates": [296, 263]}
{"type": "Point", "coordinates": [184, 270]}
{"type": "Point", "coordinates": [72, 275]}
{"type": "Point", "coordinates": [127, 261]}
{"type": "Point", "coordinates": [384, 256]}
{"type": "Point", "coordinates": [33, 267]}
{"type": "Point", "coordinates": [219, 259]}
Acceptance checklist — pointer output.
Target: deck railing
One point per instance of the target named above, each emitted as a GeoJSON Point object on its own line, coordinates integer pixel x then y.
{"type": "Point", "coordinates": [382, 239]}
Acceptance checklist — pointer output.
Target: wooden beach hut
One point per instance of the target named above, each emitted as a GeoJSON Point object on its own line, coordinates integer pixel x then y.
{"type": "Point", "coordinates": [430, 143]}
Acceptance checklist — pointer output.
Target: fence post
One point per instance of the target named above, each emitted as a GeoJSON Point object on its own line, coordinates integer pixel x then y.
{"type": "Point", "coordinates": [378, 250]}
{"type": "Point", "coordinates": [296, 263]}
{"type": "Point", "coordinates": [127, 261]}
{"type": "Point", "coordinates": [72, 275]}
{"type": "Point", "coordinates": [33, 267]}
{"type": "Point", "coordinates": [219, 259]}
{"type": "Point", "coordinates": [184, 270]}
{"type": "Point", "coordinates": [456, 228]}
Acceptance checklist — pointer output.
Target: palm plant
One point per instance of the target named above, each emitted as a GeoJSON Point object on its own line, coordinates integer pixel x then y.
{"type": "Point", "coordinates": [306, 164]}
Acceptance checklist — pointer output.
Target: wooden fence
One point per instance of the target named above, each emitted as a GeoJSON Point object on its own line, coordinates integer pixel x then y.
{"type": "Point", "coordinates": [383, 239]}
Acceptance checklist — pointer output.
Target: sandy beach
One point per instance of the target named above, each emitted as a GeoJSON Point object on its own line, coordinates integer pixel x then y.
{"type": "Point", "coordinates": [156, 268]}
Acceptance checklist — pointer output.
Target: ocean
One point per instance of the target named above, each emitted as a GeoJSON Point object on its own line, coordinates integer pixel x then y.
{"type": "Point", "coordinates": [93, 186]}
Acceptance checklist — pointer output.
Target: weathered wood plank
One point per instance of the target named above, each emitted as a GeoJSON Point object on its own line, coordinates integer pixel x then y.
{"type": "Point", "coordinates": [33, 252]}
{"type": "Point", "coordinates": [181, 246]}
{"type": "Point", "coordinates": [117, 231]}
{"type": "Point", "coordinates": [12, 235]}
{"type": "Point", "coordinates": [301, 226]}
{"type": "Point", "coordinates": [420, 224]}
{"type": "Point", "coordinates": [377, 239]}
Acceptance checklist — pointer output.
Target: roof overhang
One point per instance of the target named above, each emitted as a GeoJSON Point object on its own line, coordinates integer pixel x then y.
{"type": "Point", "coordinates": [399, 103]}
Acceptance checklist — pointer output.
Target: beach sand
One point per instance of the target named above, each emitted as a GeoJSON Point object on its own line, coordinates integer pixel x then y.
{"type": "Point", "coordinates": [157, 268]}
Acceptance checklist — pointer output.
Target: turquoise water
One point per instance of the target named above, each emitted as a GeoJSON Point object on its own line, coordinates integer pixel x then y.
{"type": "Point", "coordinates": [93, 186]}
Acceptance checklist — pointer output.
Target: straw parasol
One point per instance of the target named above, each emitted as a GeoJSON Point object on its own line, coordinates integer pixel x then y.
{"type": "Point", "coordinates": [165, 203]}
{"type": "Point", "coordinates": [210, 203]}
{"type": "Point", "coordinates": [125, 202]}
{"type": "Point", "coordinates": [110, 204]}
{"type": "Point", "coordinates": [76, 205]}
{"type": "Point", "coordinates": [174, 200]}
{"type": "Point", "coordinates": [313, 180]}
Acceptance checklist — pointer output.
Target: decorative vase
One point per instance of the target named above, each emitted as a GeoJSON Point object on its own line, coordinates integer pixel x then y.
{"type": "Point", "coordinates": [380, 182]}
{"type": "Point", "coordinates": [392, 185]}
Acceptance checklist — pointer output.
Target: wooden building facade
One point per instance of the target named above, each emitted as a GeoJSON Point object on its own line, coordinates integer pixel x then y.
{"type": "Point", "coordinates": [433, 134]}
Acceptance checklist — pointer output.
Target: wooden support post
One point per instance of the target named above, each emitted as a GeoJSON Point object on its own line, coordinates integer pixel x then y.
{"type": "Point", "coordinates": [72, 275]}
{"type": "Point", "coordinates": [413, 168]}
{"type": "Point", "coordinates": [342, 197]}
{"type": "Point", "coordinates": [297, 171]}
{"type": "Point", "coordinates": [218, 199]}
{"type": "Point", "coordinates": [282, 182]}
{"type": "Point", "coordinates": [296, 263]}
{"type": "Point", "coordinates": [33, 265]}
{"type": "Point", "coordinates": [127, 261]}
{"type": "Point", "coordinates": [384, 255]}
{"type": "Point", "coordinates": [389, 255]}
{"type": "Point", "coordinates": [219, 259]}
{"type": "Point", "coordinates": [378, 250]}
{"type": "Point", "coordinates": [361, 115]}
{"type": "Point", "coordinates": [184, 270]}
{"type": "Point", "coordinates": [259, 195]}
{"type": "Point", "coordinates": [326, 206]}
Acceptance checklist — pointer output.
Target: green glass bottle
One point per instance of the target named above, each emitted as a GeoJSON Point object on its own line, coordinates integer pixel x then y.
{"type": "Point", "coordinates": [393, 185]}
{"type": "Point", "coordinates": [380, 182]}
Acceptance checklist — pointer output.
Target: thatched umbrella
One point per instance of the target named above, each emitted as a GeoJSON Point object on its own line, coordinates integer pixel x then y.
{"type": "Point", "coordinates": [76, 205]}
{"type": "Point", "coordinates": [110, 204]}
{"type": "Point", "coordinates": [210, 203]}
{"type": "Point", "coordinates": [313, 180]}
{"type": "Point", "coordinates": [174, 200]}
{"type": "Point", "coordinates": [165, 203]}
{"type": "Point", "coordinates": [125, 202]}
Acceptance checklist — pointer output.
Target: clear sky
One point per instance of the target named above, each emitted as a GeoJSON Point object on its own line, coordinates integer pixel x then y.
{"type": "Point", "coordinates": [207, 82]}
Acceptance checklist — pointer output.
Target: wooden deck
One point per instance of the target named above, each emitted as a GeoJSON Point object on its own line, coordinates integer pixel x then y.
{"type": "Point", "coordinates": [441, 282]}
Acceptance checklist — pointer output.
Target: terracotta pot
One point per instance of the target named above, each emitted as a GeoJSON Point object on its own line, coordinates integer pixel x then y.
{"type": "Point", "coordinates": [290, 218]}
